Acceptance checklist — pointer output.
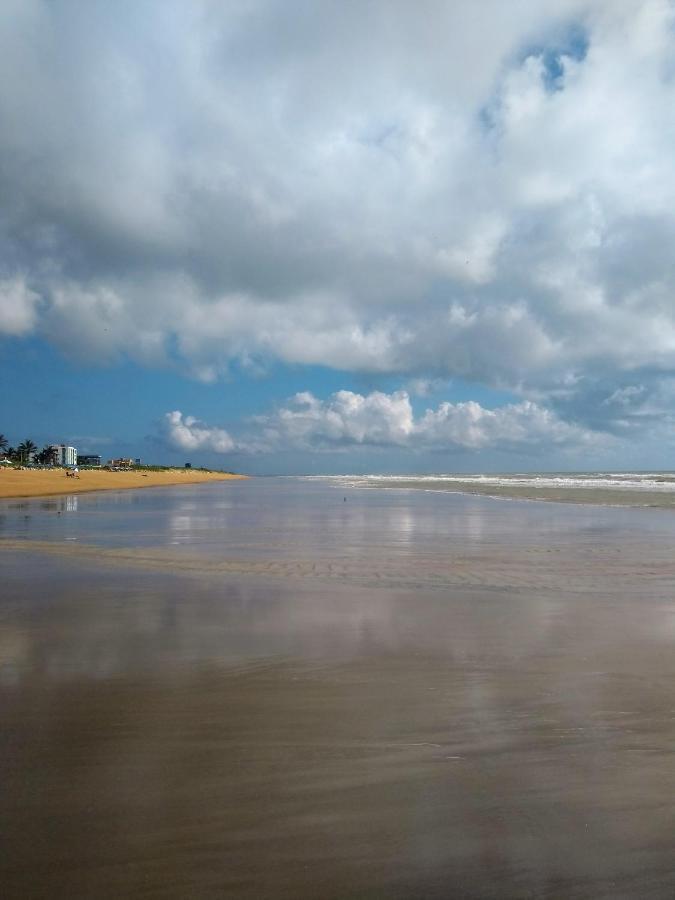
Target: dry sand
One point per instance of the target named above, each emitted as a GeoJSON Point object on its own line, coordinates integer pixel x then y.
{"type": "Point", "coordinates": [44, 482]}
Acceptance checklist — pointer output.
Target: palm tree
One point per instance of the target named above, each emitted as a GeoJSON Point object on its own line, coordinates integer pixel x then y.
{"type": "Point", "coordinates": [26, 449]}
{"type": "Point", "coordinates": [46, 456]}
{"type": "Point", "coordinates": [3, 443]}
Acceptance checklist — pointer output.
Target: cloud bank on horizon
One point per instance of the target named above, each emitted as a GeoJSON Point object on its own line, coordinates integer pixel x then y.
{"type": "Point", "coordinates": [347, 419]}
{"type": "Point", "coordinates": [482, 191]}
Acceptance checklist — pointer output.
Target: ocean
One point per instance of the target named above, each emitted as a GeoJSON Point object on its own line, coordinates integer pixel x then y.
{"type": "Point", "coordinates": [600, 488]}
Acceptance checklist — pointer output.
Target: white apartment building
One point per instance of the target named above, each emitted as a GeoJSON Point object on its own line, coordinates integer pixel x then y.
{"type": "Point", "coordinates": [64, 456]}
{"type": "Point", "coordinates": [69, 455]}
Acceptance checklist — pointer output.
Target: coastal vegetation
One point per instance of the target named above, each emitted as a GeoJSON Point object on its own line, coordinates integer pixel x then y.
{"type": "Point", "coordinates": [24, 452]}
{"type": "Point", "coordinates": [27, 454]}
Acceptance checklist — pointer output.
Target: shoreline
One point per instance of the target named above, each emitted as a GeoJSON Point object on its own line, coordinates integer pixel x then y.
{"type": "Point", "coordinates": [26, 483]}
{"type": "Point", "coordinates": [591, 496]}
{"type": "Point", "coordinates": [577, 497]}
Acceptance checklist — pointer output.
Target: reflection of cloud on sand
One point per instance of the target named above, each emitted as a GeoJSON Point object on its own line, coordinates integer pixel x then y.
{"type": "Point", "coordinates": [433, 687]}
{"type": "Point", "coordinates": [113, 621]}
{"type": "Point", "coordinates": [592, 569]}
{"type": "Point", "coordinates": [16, 646]}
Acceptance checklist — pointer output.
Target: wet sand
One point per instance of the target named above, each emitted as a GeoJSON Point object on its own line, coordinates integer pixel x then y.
{"type": "Point", "coordinates": [593, 496]}
{"type": "Point", "coordinates": [45, 483]}
{"type": "Point", "coordinates": [265, 691]}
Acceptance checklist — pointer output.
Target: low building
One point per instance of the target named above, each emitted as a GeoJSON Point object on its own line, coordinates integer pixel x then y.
{"type": "Point", "coordinates": [121, 463]}
{"type": "Point", "coordinates": [63, 455]}
{"type": "Point", "coordinates": [88, 459]}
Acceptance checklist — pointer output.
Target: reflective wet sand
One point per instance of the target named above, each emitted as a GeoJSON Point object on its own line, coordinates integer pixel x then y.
{"type": "Point", "coordinates": [653, 490]}
{"type": "Point", "coordinates": [266, 690]}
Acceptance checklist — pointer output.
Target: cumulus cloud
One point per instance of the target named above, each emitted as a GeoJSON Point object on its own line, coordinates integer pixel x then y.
{"type": "Point", "coordinates": [187, 433]}
{"type": "Point", "coordinates": [517, 425]}
{"type": "Point", "coordinates": [489, 196]}
{"type": "Point", "coordinates": [348, 419]}
{"type": "Point", "coordinates": [18, 307]}
{"type": "Point", "coordinates": [345, 419]}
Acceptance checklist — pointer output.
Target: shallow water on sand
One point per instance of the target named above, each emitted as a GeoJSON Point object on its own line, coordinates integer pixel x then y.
{"type": "Point", "coordinates": [281, 689]}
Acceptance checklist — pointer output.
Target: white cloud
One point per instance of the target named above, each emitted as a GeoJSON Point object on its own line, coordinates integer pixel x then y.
{"type": "Point", "coordinates": [348, 419]}
{"type": "Point", "coordinates": [18, 307]}
{"type": "Point", "coordinates": [187, 433]}
{"type": "Point", "coordinates": [517, 425]}
{"type": "Point", "coordinates": [489, 197]}
{"type": "Point", "coordinates": [345, 419]}
{"type": "Point", "coordinates": [625, 397]}
{"type": "Point", "coordinates": [422, 387]}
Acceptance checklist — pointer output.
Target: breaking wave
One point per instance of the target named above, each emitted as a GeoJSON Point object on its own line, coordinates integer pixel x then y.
{"type": "Point", "coordinates": [662, 482]}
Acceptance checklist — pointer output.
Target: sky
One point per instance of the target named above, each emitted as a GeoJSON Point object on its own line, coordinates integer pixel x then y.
{"type": "Point", "coordinates": [340, 235]}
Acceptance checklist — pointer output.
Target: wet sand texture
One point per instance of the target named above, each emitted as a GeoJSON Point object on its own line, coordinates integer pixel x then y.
{"type": "Point", "coordinates": [599, 496]}
{"type": "Point", "coordinates": [462, 698]}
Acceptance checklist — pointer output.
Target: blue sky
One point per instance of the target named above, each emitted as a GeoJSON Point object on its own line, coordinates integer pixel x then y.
{"type": "Point", "coordinates": [119, 409]}
{"type": "Point", "coordinates": [340, 237]}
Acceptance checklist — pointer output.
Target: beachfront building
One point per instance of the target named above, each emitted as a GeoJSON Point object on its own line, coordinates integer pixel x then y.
{"type": "Point", "coordinates": [121, 463]}
{"type": "Point", "coordinates": [88, 459]}
{"type": "Point", "coordinates": [63, 455]}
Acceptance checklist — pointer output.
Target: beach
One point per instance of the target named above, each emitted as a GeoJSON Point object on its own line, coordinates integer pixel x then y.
{"type": "Point", "coordinates": [281, 689]}
{"type": "Point", "coordinates": [52, 482]}
{"type": "Point", "coordinates": [627, 489]}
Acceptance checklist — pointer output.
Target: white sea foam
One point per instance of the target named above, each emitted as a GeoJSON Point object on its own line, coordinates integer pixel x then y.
{"type": "Point", "coordinates": [661, 482]}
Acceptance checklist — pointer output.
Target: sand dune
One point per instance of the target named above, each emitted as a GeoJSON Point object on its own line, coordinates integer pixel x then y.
{"type": "Point", "coordinates": [43, 482]}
